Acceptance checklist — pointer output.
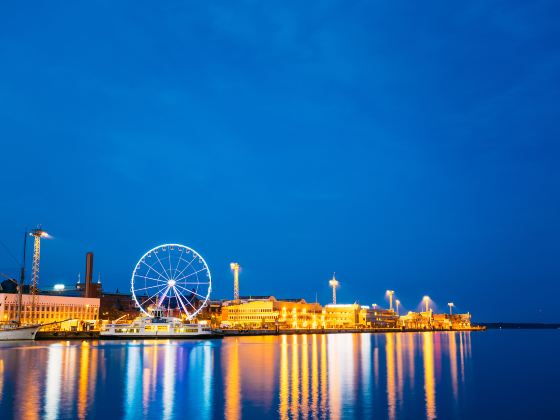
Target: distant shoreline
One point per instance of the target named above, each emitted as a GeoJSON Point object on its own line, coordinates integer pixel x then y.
{"type": "Point", "coordinates": [520, 325]}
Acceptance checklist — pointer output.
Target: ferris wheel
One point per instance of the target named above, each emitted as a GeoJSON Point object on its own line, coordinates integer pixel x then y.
{"type": "Point", "coordinates": [172, 277]}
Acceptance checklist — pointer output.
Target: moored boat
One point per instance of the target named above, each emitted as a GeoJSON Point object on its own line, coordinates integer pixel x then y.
{"type": "Point", "coordinates": [15, 332]}
{"type": "Point", "coordinates": [158, 327]}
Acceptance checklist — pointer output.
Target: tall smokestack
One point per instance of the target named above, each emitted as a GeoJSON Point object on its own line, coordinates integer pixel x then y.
{"type": "Point", "coordinates": [89, 274]}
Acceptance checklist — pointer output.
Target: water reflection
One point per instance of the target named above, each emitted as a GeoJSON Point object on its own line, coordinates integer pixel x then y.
{"type": "Point", "coordinates": [453, 363]}
{"type": "Point", "coordinates": [295, 377]}
{"type": "Point", "coordinates": [1, 379]}
{"type": "Point", "coordinates": [284, 375]}
{"type": "Point", "coordinates": [390, 358]}
{"type": "Point", "coordinates": [429, 376]}
{"type": "Point", "coordinates": [54, 381]}
{"type": "Point", "coordinates": [169, 381]}
{"type": "Point", "coordinates": [232, 381]}
{"type": "Point", "coordinates": [310, 376]}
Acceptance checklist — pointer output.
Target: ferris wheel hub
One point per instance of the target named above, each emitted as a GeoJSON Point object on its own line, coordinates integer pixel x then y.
{"type": "Point", "coordinates": [171, 283]}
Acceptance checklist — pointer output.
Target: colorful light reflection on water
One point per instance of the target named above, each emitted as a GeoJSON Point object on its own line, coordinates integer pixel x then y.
{"type": "Point", "coordinates": [412, 375]}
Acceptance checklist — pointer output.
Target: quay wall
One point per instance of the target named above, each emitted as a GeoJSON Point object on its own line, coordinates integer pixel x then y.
{"type": "Point", "coordinates": [94, 335]}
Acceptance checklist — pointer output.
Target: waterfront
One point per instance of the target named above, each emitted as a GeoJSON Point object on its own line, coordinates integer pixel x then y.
{"type": "Point", "coordinates": [492, 374]}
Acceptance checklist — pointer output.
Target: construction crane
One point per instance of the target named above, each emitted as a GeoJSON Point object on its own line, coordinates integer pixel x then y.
{"type": "Point", "coordinates": [334, 284]}
{"type": "Point", "coordinates": [37, 234]}
{"type": "Point", "coordinates": [235, 268]}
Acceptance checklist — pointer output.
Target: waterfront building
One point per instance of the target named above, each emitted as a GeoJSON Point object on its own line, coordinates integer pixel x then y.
{"type": "Point", "coordinates": [416, 320]}
{"type": "Point", "coordinates": [451, 322]}
{"type": "Point", "coordinates": [427, 320]}
{"type": "Point", "coordinates": [117, 305]}
{"type": "Point", "coordinates": [342, 315]}
{"type": "Point", "coordinates": [211, 313]}
{"type": "Point", "coordinates": [70, 313]}
{"type": "Point", "coordinates": [378, 318]}
{"type": "Point", "coordinates": [269, 312]}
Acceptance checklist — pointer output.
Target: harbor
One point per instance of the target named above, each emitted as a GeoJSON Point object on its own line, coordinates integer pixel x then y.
{"type": "Point", "coordinates": [381, 375]}
{"type": "Point", "coordinates": [174, 301]}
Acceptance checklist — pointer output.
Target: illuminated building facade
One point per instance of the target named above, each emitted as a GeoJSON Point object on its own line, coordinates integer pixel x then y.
{"type": "Point", "coordinates": [269, 312]}
{"type": "Point", "coordinates": [416, 320]}
{"type": "Point", "coordinates": [77, 312]}
{"type": "Point", "coordinates": [451, 322]}
{"type": "Point", "coordinates": [378, 318]}
{"type": "Point", "coordinates": [428, 321]}
{"type": "Point", "coordinates": [341, 315]}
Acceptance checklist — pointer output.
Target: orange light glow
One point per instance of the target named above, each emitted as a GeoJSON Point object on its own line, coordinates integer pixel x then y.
{"type": "Point", "coordinates": [429, 375]}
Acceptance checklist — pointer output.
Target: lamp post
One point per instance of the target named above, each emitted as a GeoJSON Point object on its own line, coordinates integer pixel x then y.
{"type": "Point", "coordinates": [398, 302]}
{"type": "Point", "coordinates": [235, 268]}
{"type": "Point", "coordinates": [390, 293]}
{"type": "Point", "coordinates": [334, 284]}
{"type": "Point", "coordinates": [426, 300]}
{"type": "Point", "coordinates": [451, 305]}
{"type": "Point", "coordinates": [38, 234]}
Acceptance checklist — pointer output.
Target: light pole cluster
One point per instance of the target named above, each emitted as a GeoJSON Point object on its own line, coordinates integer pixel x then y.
{"type": "Point", "coordinates": [426, 300]}
{"type": "Point", "coordinates": [390, 293]}
{"type": "Point", "coordinates": [334, 284]}
{"type": "Point", "coordinates": [235, 268]}
{"type": "Point", "coordinates": [37, 234]}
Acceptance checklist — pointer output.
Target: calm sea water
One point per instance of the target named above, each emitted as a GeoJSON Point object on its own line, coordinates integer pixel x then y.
{"type": "Point", "coordinates": [482, 375]}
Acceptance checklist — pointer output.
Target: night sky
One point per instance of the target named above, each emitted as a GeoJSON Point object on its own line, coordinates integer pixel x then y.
{"type": "Point", "coordinates": [406, 145]}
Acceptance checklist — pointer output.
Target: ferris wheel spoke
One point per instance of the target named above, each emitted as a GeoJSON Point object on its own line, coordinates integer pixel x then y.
{"type": "Point", "coordinates": [191, 291]}
{"type": "Point", "coordinates": [187, 300]}
{"type": "Point", "coordinates": [170, 269]}
{"type": "Point", "coordinates": [162, 267]}
{"type": "Point", "coordinates": [149, 287]}
{"type": "Point", "coordinates": [184, 288]}
{"type": "Point", "coordinates": [181, 302]}
{"type": "Point", "coordinates": [150, 298]}
{"type": "Point", "coordinates": [191, 274]}
{"type": "Point", "coordinates": [162, 297]}
{"type": "Point", "coordinates": [178, 262]}
{"type": "Point", "coordinates": [151, 278]}
{"type": "Point", "coordinates": [152, 268]}
{"type": "Point", "coordinates": [194, 283]}
{"type": "Point", "coordinates": [188, 265]}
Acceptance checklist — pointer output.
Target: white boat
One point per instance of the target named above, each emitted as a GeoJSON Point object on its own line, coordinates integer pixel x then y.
{"type": "Point", "coordinates": [14, 332]}
{"type": "Point", "coordinates": [157, 327]}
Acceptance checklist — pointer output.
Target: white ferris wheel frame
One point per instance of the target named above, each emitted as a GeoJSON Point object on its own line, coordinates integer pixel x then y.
{"type": "Point", "coordinates": [141, 260]}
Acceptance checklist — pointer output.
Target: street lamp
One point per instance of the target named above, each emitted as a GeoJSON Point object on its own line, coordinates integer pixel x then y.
{"type": "Point", "coordinates": [451, 305]}
{"type": "Point", "coordinates": [398, 302]}
{"type": "Point", "coordinates": [390, 293]}
{"type": "Point", "coordinates": [235, 268]}
{"type": "Point", "coordinates": [334, 284]}
{"type": "Point", "coordinates": [426, 300]}
{"type": "Point", "coordinates": [37, 234]}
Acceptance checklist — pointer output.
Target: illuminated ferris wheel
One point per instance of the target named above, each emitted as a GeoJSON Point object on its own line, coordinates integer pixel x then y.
{"type": "Point", "coordinates": [172, 277]}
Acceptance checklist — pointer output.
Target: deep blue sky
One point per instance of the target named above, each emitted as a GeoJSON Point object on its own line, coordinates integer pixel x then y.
{"type": "Point", "coordinates": [405, 145]}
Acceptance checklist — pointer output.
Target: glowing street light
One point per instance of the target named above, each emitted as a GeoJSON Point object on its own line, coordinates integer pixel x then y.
{"type": "Point", "coordinates": [390, 293]}
{"type": "Point", "coordinates": [374, 305]}
{"type": "Point", "coordinates": [398, 302]}
{"type": "Point", "coordinates": [451, 305]}
{"type": "Point", "coordinates": [235, 268]}
{"type": "Point", "coordinates": [426, 300]}
{"type": "Point", "coordinates": [37, 234]}
{"type": "Point", "coordinates": [334, 284]}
